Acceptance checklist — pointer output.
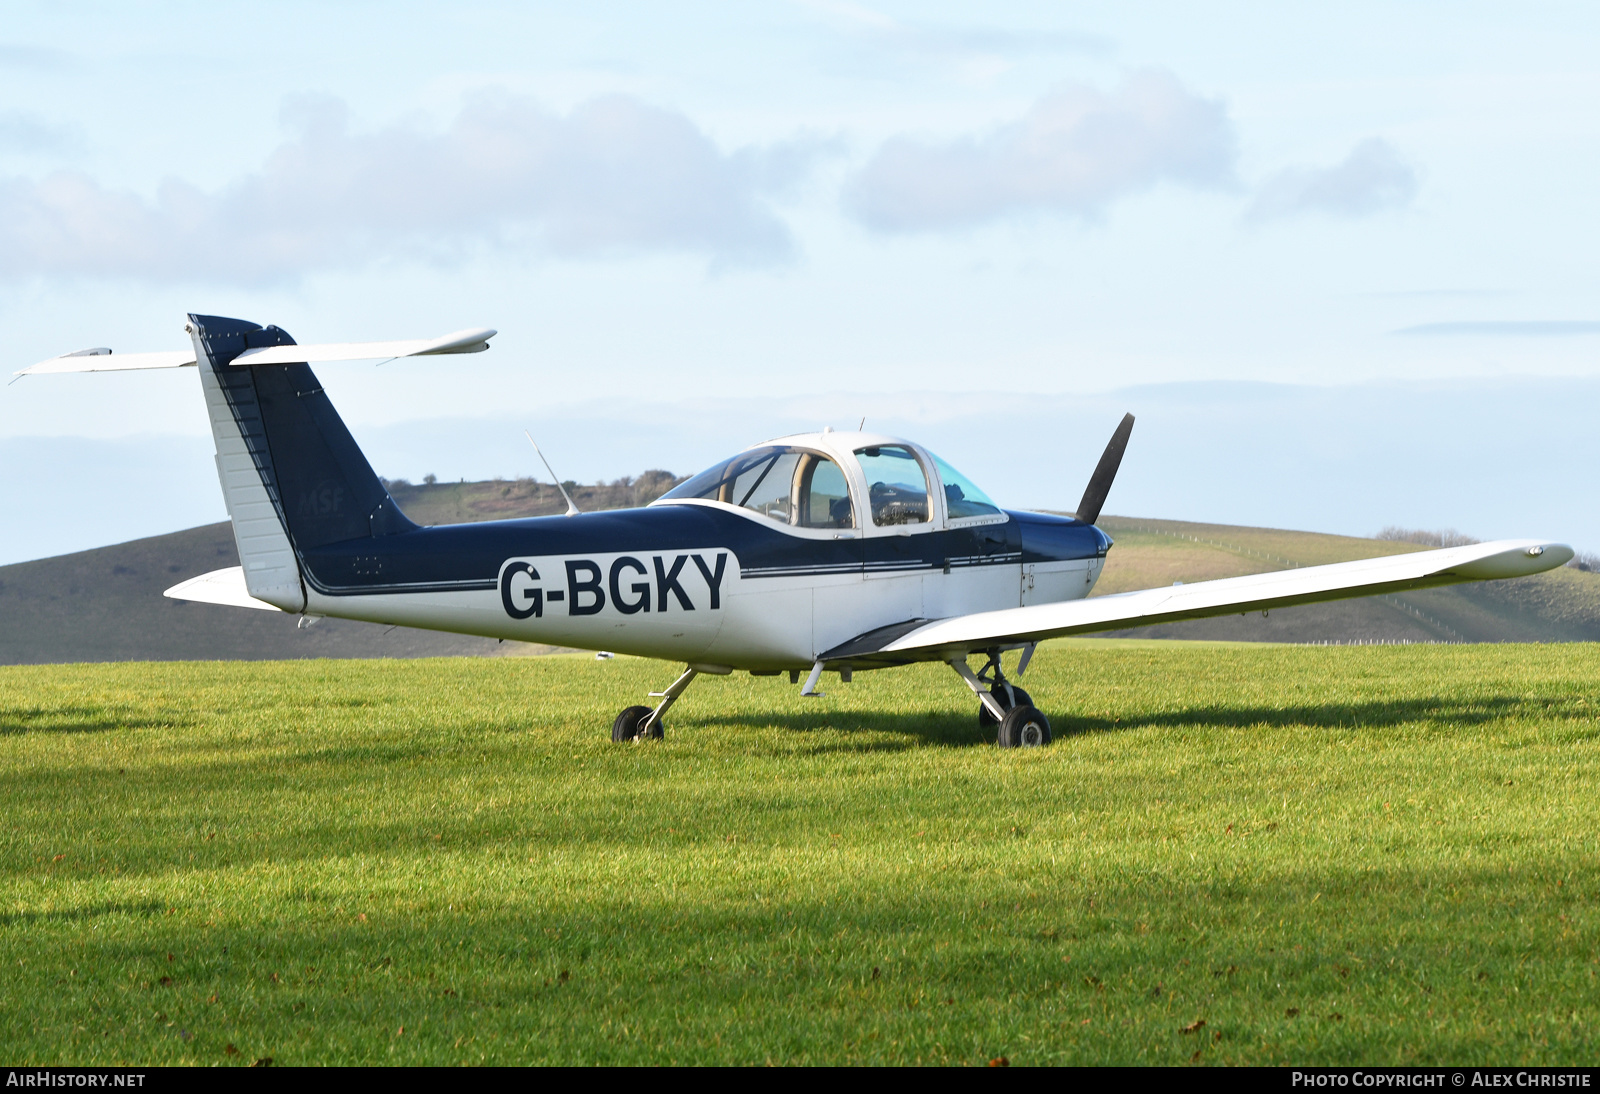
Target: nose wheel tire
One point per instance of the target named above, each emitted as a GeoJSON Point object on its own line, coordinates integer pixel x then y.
{"type": "Point", "coordinates": [626, 727]}
{"type": "Point", "coordinates": [1024, 727]}
{"type": "Point", "coordinates": [986, 720]}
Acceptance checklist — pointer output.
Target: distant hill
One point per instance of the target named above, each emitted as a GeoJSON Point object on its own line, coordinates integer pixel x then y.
{"type": "Point", "coordinates": [1560, 606]}
{"type": "Point", "coordinates": [106, 604]}
{"type": "Point", "coordinates": [502, 499]}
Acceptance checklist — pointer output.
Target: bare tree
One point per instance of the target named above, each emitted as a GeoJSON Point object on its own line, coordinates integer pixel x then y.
{"type": "Point", "coordinates": [1445, 537]}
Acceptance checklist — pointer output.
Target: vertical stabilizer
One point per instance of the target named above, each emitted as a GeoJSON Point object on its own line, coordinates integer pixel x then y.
{"type": "Point", "coordinates": [292, 476]}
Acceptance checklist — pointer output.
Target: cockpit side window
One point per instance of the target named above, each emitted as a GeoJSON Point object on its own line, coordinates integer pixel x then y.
{"type": "Point", "coordinates": [896, 484]}
{"type": "Point", "coordinates": [822, 496]}
{"type": "Point", "coordinates": [787, 485]}
{"type": "Point", "coordinates": [766, 486]}
{"type": "Point", "coordinates": [961, 497]}
{"type": "Point", "coordinates": [715, 483]}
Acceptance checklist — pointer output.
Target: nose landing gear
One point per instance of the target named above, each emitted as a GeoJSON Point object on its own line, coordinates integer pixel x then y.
{"type": "Point", "coordinates": [642, 723]}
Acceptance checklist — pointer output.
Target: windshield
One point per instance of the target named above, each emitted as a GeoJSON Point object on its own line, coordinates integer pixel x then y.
{"type": "Point", "coordinates": [895, 484]}
{"type": "Point", "coordinates": [787, 485]}
{"type": "Point", "coordinates": [961, 498]}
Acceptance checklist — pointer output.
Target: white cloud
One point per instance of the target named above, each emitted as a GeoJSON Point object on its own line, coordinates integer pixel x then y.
{"type": "Point", "coordinates": [1371, 179]}
{"type": "Point", "coordinates": [20, 132]}
{"type": "Point", "coordinates": [1076, 151]}
{"type": "Point", "coordinates": [615, 176]}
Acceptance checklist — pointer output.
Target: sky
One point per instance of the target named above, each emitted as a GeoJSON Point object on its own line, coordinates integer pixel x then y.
{"type": "Point", "coordinates": [1339, 261]}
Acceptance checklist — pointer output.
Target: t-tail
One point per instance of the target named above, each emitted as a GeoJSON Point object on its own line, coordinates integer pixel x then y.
{"type": "Point", "coordinates": [292, 475]}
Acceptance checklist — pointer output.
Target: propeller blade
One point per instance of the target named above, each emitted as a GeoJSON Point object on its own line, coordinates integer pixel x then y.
{"type": "Point", "coordinates": [1094, 495]}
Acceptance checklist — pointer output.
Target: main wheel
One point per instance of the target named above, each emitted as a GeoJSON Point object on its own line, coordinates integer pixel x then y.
{"type": "Point", "coordinates": [986, 720]}
{"type": "Point", "coordinates": [626, 727]}
{"type": "Point", "coordinates": [1024, 727]}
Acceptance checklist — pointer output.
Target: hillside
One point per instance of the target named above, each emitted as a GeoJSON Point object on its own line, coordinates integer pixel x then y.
{"type": "Point", "coordinates": [502, 499]}
{"type": "Point", "coordinates": [1560, 606]}
{"type": "Point", "coordinates": [106, 604]}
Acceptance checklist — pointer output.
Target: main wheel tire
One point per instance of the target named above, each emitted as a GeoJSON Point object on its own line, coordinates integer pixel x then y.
{"type": "Point", "coordinates": [1024, 727]}
{"type": "Point", "coordinates": [986, 720]}
{"type": "Point", "coordinates": [626, 727]}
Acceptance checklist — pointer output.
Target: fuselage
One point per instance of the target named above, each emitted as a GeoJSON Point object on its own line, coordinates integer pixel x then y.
{"type": "Point", "coordinates": [699, 581]}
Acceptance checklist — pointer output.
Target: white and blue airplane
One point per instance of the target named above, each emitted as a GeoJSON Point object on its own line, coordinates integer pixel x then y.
{"type": "Point", "coordinates": [819, 552]}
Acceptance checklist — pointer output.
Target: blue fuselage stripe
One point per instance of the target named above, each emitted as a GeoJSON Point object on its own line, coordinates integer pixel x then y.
{"type": "Point", "coordinates": [469, 556]}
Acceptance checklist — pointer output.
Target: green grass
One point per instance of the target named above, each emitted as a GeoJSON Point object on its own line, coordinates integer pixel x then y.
{"type": "Point", "coordinates": [1328, 855]}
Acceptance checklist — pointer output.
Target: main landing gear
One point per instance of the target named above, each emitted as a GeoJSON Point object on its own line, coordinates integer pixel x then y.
{"type": "Point", "coordinates": [1001, 704]}
{"type": "Point", "coordinates": [1004, 705]}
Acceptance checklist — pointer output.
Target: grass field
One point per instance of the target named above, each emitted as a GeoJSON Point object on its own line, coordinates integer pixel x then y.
{"type": "Point", "coordinates": [1231, 854]}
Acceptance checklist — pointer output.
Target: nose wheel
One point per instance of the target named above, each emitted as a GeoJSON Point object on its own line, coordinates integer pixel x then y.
{"type": "Point", "coordinates": [631, 725]}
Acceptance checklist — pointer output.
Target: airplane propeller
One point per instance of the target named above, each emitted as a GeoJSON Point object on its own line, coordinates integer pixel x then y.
{"type": "Point", "coordinates": [1094, 495]}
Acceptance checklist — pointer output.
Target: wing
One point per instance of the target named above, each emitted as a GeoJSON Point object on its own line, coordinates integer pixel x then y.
{"type": "Point", "coordinates": [224, 587]}
{"type": "Point", "coordinates": [944, 639]}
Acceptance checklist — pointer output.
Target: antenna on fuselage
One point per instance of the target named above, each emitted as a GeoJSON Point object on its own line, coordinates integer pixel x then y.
{"type": "Point", "coordinates": [863, 424]}
{"type": "Point", "coordinates": [572, 509]}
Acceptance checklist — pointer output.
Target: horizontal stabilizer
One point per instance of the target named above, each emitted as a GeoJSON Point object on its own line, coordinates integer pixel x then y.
{"type": "Point", "coordinates": [1256, 592]}
{"type": "Point", "coordinates": [462, 341]}
{"type": "Point", "coordinates": [103, 360]}
{"type": "Point", "coordinates": [225, 587]}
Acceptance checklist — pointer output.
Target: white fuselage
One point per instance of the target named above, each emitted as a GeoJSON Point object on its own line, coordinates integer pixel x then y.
{"type": "Point", "coordinates": [702, 605]}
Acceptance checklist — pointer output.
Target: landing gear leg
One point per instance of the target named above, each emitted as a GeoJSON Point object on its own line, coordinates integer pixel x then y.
{"type": "Point", "coordinates": [639, 723]}
{"type": "Point", "coordinates": [1003, 704]}
{"type": "Point", "coordinates": [1006, 693]}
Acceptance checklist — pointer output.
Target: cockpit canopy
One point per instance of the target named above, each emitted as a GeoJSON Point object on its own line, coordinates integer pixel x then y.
{"type": "Point", "coordinates": [789, 485]}
{"type": "Point", "coordinates": [801, 487]}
